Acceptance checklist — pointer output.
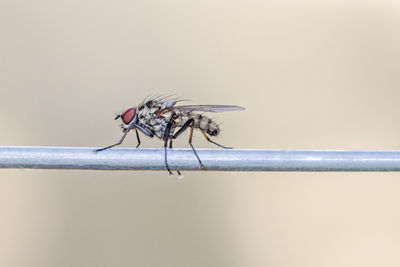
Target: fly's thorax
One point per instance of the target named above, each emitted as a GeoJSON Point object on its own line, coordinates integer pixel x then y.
{"type": "Point", "coordinates": [148, 117]}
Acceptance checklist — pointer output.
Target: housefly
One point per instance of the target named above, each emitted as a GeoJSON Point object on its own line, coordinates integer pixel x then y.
{"type": "Point", "coordinates": [161, 117]}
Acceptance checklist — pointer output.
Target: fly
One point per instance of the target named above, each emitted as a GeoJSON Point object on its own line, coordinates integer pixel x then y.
{"type": "Point", "coordinates": [163, 118]}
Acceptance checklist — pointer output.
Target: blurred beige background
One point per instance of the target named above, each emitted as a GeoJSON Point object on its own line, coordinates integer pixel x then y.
{"type": "Point", "coordinates": [311, 76]}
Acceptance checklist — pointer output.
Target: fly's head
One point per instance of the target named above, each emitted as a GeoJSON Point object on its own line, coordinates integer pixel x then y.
{"type": "Point", "coordinates": [128, 117]}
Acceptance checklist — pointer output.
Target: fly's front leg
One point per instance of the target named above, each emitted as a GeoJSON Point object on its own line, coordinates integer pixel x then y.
{"type": "Point", "coordinates": [136, 126]}
{"type": "Point", "coordinates": [138, 139]}
{"type": "Point", "coordinates": [120, 142]}
{"type": "Point", "coordinates": [144, 130]}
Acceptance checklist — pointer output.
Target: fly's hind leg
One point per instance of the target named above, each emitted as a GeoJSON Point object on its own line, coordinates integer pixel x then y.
{"type": "Point", "coordinates": [215, 143]}
{"type": "Point", "coordinates": [189, 123]}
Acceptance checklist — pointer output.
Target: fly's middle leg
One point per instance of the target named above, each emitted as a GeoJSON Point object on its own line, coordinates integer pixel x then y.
{"type": "Point", "coordinates": [165, 157]}
{"type": "Point", "coordinates": [166, 138]}
{"type": "Point", "coordinates": [179, 173]}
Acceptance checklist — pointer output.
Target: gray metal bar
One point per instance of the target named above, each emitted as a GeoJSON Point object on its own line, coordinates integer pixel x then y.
{"type": "Point", "coordinates": [184, 159]}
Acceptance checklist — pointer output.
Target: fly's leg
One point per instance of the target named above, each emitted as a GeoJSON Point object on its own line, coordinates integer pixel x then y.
{"type": "Point", "coordinates": [179, 173]}
{"type": "Point", "coordinates": [211, 141]}
{"type": "Point", "coordinates": [170, 143]}
{"type": "Point", "coordinates": [144, 130]}
{"type": "Point", "coordinates": [183, 128]}
{"type": "Point", "coordinates": [166, 137]}
{"type": "Point", "coordinates": [189, 123]}
{"type": "Point", "coordinates": [165, 157]}
{"type": "Point", "coordinates": [120, 142]}
{"type": "Point", "coordinates": [138, 139]}
{"type": "Point", "coordinates": [194, 150]}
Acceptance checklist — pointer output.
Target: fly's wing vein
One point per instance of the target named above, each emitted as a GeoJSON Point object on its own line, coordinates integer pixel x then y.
{"type": "Point", "coordinates": [209, 108]}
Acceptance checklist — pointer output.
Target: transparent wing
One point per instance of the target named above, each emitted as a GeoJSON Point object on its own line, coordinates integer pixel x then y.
{"type": "Point", "coordinates": [209, 108]}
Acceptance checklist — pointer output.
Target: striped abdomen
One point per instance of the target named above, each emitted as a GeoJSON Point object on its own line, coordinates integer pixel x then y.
{"type": "Point", "coordinates": [201, 122]}
{"type": "Point", "coordinates": [206, 124]}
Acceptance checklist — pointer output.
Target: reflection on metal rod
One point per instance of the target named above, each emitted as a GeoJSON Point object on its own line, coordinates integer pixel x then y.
{"type": "Point", "coordinates": [213, 159]}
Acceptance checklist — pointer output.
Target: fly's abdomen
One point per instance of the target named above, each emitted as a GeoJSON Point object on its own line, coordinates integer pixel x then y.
{"type": "Point", "coordinates": [206, 124]}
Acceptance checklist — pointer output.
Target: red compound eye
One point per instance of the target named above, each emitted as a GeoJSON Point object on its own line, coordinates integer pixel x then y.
{"type": "Point", "coordinates": [128, 115]}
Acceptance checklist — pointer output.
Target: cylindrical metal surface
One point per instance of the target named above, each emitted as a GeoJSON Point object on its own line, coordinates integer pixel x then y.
{"type": "Point", "coordinates": [184, 159]}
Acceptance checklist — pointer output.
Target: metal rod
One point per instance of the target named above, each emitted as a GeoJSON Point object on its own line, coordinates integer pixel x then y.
{"type": "Point", "coordinates": [213, 159]}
